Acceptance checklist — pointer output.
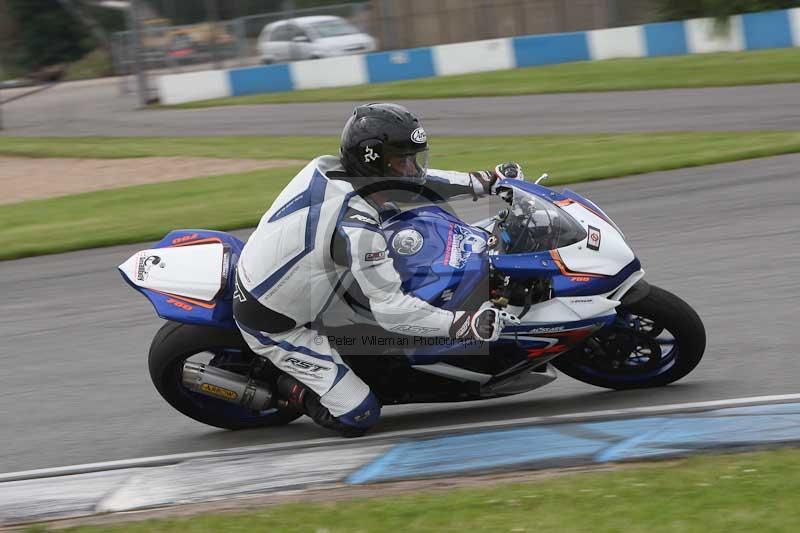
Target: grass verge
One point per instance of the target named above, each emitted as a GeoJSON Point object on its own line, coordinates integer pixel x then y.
{"type": "Point", "coordinates": [700, 70]}
{"type": "Point", "coordinates": [95, 64]}
{"type": "Point", "coordinates": [10, 71]}
{"type": "Point", "coordinates": [147, 212]}
{"type": "Point", "coordinates": [728, 493]}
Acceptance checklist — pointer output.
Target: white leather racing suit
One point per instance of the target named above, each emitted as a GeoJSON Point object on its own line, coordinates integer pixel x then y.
{"type": "Point", "coordinates": [318, 234]}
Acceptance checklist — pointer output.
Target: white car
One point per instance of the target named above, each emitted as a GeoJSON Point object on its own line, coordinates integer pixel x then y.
{"type": "Point", "coordinates": [311, 38]}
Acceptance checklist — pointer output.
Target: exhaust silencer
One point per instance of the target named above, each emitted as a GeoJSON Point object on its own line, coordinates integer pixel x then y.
{"type": "Point", "coordinates": [227, 386]}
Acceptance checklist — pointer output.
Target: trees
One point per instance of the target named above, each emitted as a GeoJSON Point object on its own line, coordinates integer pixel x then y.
{"type": "Point", "coordinates": [46, 33]}
{"type": "Point", "coordinates": [686, 9]}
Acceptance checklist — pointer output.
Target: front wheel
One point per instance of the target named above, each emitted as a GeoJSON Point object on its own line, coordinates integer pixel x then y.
{"type": "Point", "coordinates": [175, 343]}
{"type": "Point", "coordinates": [655, 341]}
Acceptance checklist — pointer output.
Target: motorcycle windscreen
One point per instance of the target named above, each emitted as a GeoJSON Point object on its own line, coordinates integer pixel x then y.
{"type": "Point", "coordinates": [536, 225]}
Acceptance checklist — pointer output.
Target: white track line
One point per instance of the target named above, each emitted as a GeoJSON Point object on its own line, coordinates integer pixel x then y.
{"type": "Point", "coordinates": [390, 435]}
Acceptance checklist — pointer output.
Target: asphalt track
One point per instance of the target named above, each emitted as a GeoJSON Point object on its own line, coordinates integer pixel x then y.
{"type": "Point", "coordinates": [96, 108]}
{"type": "Point", "coordinates": [74, 386]}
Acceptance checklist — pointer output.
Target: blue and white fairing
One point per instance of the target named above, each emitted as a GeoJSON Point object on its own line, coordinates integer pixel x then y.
{"type": "Point", "coordinates": [439, 258]}
{"type": "Point", "coordinates": [188, 276]}
{"type": "Point", "coordinates": [547, 235]}
{"type": "Point", "coordinates": [596, 262]}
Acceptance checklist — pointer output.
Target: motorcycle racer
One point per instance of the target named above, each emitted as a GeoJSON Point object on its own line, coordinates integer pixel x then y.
{"type": "Point", "coordinates": [323, 233]}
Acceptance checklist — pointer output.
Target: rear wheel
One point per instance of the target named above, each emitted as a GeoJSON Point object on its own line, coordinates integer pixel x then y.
{"type": "Point", "coordinates": [175, 343]}
{"type": "Point", "coordinates": [654, 341]}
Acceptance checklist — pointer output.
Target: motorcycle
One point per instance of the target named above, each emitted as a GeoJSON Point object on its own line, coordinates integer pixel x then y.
{"type": "Point", "coordinates": [554, 260]}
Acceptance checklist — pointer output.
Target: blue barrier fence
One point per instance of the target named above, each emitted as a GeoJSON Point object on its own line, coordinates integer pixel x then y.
{"type": "Point", "coordinates": [754, 31]}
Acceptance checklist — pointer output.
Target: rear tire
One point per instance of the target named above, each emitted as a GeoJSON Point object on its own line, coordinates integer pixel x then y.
{"type": "Point", "coordinates": [646, 322]}
{"type": "Point", "coordinates": [173, 344]}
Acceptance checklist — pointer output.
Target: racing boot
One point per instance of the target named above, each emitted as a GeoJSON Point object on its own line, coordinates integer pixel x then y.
{"type": "Point", "coordinates": [294, 395]}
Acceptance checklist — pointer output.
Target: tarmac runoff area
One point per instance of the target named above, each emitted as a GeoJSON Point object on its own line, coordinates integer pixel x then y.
{"type": "Point", "coordinates": [97, 108]}
{"type": "Point", "coordinates": [578, 439]}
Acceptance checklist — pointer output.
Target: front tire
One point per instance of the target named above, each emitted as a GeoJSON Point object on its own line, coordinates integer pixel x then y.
{"type": "Point", "coordinates": [655, 341]}
{"type": "Point", "coordinates": [173, 345]}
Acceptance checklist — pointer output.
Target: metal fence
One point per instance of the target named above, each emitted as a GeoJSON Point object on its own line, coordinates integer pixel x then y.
{"type": "Point", "coordinates": [393, 23]}
{"type": "Point", "coordinates": [178, 48]}
{"type": "Point", "coordinates": [168, 49]}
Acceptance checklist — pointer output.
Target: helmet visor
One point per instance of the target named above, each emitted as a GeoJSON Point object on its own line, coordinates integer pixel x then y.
{"type": "Point", "coordinates": [411, 166]}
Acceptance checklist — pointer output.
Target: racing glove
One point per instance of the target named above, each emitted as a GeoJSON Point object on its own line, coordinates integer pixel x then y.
{"type": "Point", "coordinates": [489, 178]}
{"type": "Point", "coordinates": [484, 325]}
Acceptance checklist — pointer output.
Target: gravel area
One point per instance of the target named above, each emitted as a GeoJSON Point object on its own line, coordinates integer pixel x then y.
{"type": "Point", "coordinates": [28, 178]}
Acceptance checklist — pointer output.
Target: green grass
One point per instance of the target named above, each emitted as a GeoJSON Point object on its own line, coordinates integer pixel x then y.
{"type": "Point", "coordinates": [701, 70]}
{"type": "Point", "coordinates": [147, 212]}
{"type": "Point", "coordinates": [95, 64]}
{"type": "Point", "coordinates": [136, 214]}
{"type": "Point", "coordinates": [704, 494]}
{"type": "Point", "coordinates": [9, 70]}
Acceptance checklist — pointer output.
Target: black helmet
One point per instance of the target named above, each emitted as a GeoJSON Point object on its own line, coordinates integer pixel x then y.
{"type": "Point", "coordinates": [384, 140]}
